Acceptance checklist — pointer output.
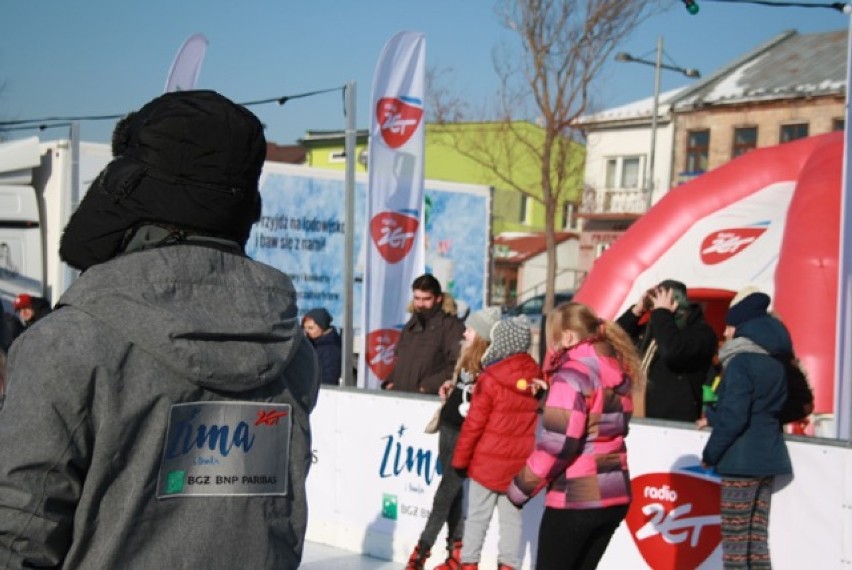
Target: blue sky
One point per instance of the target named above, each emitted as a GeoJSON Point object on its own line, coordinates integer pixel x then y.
{"type": "Point", "coordinates": [92, 57]}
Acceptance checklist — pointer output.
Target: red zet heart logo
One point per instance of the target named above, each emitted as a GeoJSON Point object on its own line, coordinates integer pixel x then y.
{"type": "Point", "coordinates": [381, 353]}
{"type": "Point", "coordinates": [393, 233]}
{"type": "Point", "coordinates": [674, 519]}
{"type": "Point", "coordinates": [398, 120]}
{"type": "Point", "coordinates": [724, 244]}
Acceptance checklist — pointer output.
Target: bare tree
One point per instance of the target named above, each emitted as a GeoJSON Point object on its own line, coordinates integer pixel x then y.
{"type": "Point", "coordinates": [545, 86]}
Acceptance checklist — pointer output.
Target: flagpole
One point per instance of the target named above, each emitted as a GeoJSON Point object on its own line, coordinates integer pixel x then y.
{"type": "Point", "coordinates": [349, 236]}
{"type": "Point", "coordinates": [843, 335]}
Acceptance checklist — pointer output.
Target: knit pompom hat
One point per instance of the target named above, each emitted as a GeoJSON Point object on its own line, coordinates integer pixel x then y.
{"type": "Point", "coordinates": [509, 336]}
{"type": "Point", "coordinates": [483, 320]}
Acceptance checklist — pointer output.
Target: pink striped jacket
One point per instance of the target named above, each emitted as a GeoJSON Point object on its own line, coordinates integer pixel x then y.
{"type": "Point", "coordinates": [580, 453]}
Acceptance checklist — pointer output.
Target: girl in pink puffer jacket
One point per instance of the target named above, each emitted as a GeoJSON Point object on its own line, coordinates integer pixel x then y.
{"type": "Point", "coordinates": [580, 455]}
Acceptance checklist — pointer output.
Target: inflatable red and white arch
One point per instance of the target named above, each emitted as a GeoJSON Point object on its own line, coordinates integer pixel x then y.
{"type": "Point", "coordinates": [770, 218]}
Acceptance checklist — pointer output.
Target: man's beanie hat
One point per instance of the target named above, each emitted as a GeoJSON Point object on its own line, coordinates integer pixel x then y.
{"type": "Point", "coordinates": [509, 336]}
{"type": "Point", "coordinates": [748, 307]}
{"type": "Point", "coordinates": [483, 320]}
{"type": "Point", "coordinates": [321, 317]}
{"type": "Point", "coordinates": [190, 159]}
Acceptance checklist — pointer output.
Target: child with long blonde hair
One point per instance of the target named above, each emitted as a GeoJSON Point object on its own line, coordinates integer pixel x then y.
{"type": "Point", "coordinates": [448, 503]}
{"type": "Point", "coordinates": [580, 455]}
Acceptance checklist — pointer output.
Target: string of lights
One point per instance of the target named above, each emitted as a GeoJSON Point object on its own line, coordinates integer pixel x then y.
{"type": "Point", "coordinates": [844, 7]}
{"type": "Point", "coordinates": [51, 122]}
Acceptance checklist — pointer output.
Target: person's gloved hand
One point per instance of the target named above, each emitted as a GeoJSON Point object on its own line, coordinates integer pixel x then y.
{"type": "Point", "coordinates": [461, 471]}
{"type": "Point", "coordinates": [516, 496]}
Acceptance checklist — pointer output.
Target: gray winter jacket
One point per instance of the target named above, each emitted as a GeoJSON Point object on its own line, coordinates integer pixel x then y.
{"type": "Point", "coordinates": [160, 419]}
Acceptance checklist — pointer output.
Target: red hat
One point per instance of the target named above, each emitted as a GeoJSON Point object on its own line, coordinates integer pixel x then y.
{"type": "Point", "coordinates": [23, 301]}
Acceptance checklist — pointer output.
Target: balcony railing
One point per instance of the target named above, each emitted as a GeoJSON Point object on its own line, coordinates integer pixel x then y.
{"type": "Point", "coordinates": [614, 201]}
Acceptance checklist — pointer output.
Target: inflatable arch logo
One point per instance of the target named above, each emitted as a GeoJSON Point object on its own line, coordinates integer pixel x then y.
{"type": "Point", "coordinates": [800, 183]}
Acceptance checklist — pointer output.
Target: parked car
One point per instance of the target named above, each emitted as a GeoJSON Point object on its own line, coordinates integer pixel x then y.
{"type": "Point", "coordinates": [533, 307]}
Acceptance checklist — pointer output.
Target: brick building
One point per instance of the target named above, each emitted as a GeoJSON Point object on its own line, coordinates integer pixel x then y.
{"type": "Point", "coordinates": [792, 86]}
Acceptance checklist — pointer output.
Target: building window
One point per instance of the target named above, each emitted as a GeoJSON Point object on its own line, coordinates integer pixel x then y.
{"type": "Point", "coordinates": [838, 125]}
{"type": "Point", "coordinates": [793, 132]}
{"type": "Point", "coordinates": [569, 216]}
{"type": "Point", "coordinates": [630, 172]}
{"type": "Point", "coordinates": [611, 172]}
{"type": "Point", "coordinates": [526, 210]}
{"type": "Point", "coordinates": [337, 156]}
{"type": "Point", "coordinates": [623, 172]}
{"type": "Point", "coordinates": [745, 139]}
{"type": "Point", "coordinates": [697, 150]}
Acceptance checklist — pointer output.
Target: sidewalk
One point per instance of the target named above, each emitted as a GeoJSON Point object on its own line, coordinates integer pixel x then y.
{"type": "Point", "coordinates": [322, 557]}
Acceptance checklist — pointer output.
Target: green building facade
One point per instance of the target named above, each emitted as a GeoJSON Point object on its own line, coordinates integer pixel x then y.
{"type": "Point", "coordinates": [511, 210]}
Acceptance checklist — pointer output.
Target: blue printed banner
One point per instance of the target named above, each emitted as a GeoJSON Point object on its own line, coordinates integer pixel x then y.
{"type": "Point", "coordinates": [301, 232]}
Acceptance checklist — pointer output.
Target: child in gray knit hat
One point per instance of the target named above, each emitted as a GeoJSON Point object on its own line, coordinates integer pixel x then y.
{"type": "Point", "coordinates": [497, 437]}
{"type": "Point", "coordinates": [509, 336]}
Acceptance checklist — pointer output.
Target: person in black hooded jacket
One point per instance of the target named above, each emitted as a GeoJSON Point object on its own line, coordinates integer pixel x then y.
{"type": "Point", "coordinates": [677, 347]}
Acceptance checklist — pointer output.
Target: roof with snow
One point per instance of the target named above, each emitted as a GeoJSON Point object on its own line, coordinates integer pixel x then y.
{"type": "Point", "coordinates": [640, 109]}
{"type": "Point", "coordinates": [789, 66]}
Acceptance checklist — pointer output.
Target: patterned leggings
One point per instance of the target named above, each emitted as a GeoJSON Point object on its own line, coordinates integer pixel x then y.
{"type": "Point", "coordinates": [745, 522]}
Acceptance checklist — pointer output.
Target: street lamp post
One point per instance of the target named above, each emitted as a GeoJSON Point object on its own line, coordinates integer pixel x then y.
{"type": "Point", "coordinates": [658, 66]}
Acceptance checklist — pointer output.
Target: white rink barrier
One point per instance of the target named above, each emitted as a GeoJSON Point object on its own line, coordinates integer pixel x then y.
{"type": "Point", "coordinates": [375, 473]}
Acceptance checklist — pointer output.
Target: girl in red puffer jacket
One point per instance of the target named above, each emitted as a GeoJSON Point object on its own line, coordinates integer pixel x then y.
{"type": "Point", "coordinates": [496, 438]}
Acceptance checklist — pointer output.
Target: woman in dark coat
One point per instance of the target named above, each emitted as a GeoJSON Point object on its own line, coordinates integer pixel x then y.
{"type": "Point", "coordinates": [326, 341]}
{"type": "Point", "coordinates": [746, 447]}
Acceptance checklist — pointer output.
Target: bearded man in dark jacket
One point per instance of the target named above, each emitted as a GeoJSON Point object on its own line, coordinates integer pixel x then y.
{"type": "Point", "coordinates": [677, 347]}
{"type": "Point", "coordinates": [430, 342]}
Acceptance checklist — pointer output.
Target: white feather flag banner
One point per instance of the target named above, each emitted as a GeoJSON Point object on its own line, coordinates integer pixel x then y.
{"type": "Point", "coordinates": [187, 64]}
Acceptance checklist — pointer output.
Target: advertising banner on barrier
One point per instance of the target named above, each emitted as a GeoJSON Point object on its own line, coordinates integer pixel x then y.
{"type": "Point", "coordinates": [395, 255]}
{"type": "Point", "coordinates": [376, 473]}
